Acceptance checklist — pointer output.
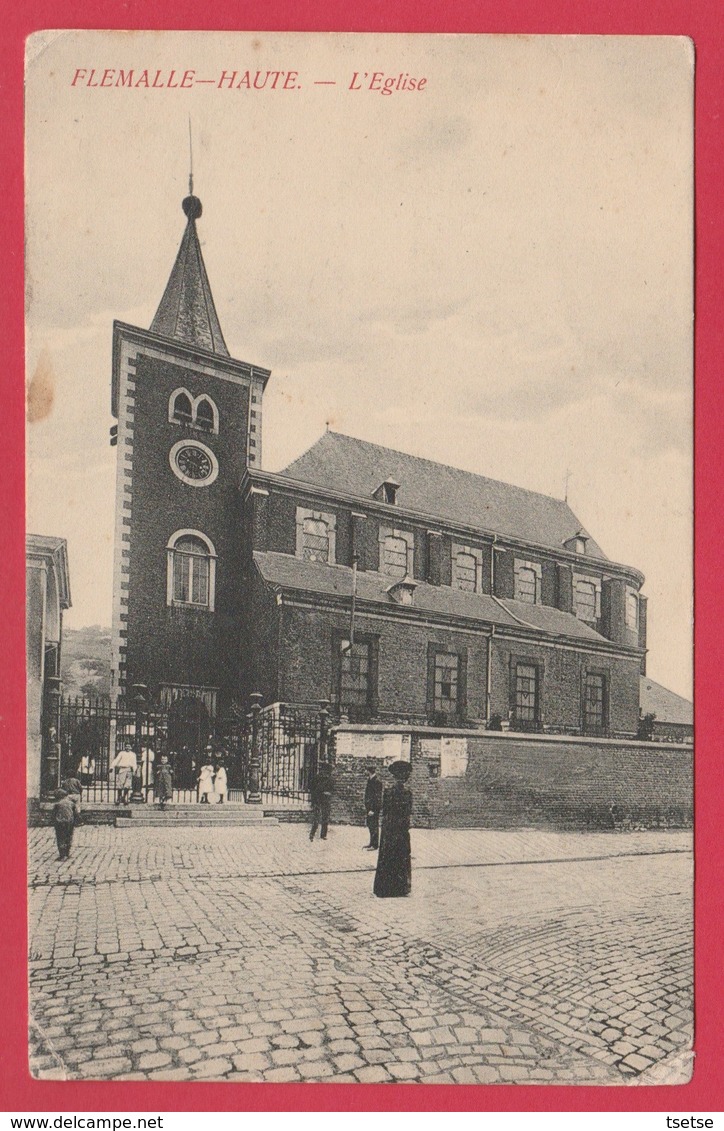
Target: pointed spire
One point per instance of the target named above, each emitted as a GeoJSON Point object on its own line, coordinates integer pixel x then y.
{"type": "Point", "coordinates": [186, 311]}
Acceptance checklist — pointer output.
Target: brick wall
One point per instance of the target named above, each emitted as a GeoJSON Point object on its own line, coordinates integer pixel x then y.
{"type": "Point", "coordinates": [183, 645]}
{"type": "Point", "coordinates": [562, 673]}
{"type": "Point", "coordinates": [306, 659]}
{"type": "Point", "coordinates": [487, 780]}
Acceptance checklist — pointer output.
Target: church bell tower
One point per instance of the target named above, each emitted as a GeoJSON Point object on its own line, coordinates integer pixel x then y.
{"type": "Point", "coordinates": [189, 423]}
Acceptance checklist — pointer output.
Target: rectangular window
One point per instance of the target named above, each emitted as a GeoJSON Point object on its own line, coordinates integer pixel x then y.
{"type": "Point", "coordinates": [586, 601]}
{"type": "Point", "coordinates": [447, 678]}
{"type": "Point", "coordinates": [632, 609]}
{"type": "Point", "coordinates": [354, 674]}
{"type": "Point", "coordinates": [526, 695]}
{"type": "Point", "coordinates": [355, 679]}
{"type": "Point", "coordinates": [594, 704]}
{"type": "Point", "coordinates": [190, 579]}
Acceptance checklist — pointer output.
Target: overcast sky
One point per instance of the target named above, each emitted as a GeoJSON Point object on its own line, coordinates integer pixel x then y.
{"type": "Point", "coordinates": [494, 272]}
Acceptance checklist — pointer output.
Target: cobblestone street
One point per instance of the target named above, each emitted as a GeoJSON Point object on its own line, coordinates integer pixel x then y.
{"type": "Point", "coordinates": [250, 954]}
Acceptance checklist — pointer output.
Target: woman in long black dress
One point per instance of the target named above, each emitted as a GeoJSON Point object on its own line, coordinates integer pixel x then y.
{"type": "Point", "coordinates": [394, 869]}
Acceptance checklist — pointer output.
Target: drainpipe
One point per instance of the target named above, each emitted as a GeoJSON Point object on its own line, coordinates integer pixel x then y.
{"type": "Point", "coordinates": [492, 563]}
{"type": "Point", "coordinates": [489, 675]}
{"type": "Point", "coordinates": [353, 607]}
{"type": "Point", "coordinates": [280, 670]}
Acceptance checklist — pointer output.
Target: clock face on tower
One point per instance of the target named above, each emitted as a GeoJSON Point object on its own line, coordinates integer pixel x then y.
{"type": "Point", "coordinates": [193, 463]}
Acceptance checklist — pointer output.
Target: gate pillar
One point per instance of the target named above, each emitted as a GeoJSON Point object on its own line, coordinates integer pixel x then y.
{"type": "Point", "coordinates": [253, 795]}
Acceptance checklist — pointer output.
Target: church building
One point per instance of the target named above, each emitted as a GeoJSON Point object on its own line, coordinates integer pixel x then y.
{"type": "Point", "coordinates": [396, 587]}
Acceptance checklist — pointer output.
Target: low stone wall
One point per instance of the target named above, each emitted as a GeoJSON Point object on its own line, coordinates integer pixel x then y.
{"type": "Point", "coordinates": [496, 780]}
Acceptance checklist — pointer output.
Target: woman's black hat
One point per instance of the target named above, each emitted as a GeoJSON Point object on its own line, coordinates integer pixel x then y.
{"type": "Point", "coordinates": [400, 770]}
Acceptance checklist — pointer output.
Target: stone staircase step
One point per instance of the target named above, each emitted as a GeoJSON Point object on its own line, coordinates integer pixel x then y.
{"type": "Point", "coordinates": [192, 817]}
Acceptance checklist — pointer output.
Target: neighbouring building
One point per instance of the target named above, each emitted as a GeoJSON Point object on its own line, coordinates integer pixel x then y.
{"type": "Point", "coordinates": [391, 585]}
{"type": "Point", "coordinates": [671, 716]}
{"type": "Point", "coordinates": [47, 594]}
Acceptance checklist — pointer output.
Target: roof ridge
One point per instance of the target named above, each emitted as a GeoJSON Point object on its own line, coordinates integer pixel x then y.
{"type": "Point", "coordinates": [433, 463]}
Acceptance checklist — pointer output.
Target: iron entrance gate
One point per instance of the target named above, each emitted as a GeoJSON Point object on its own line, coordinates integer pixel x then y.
{"type": "Point", "coordinates": [87, 734]}
{"type": "Point", "coordinates": [289, 741]}
{"type": "Point", "coordinates": [271, 754]}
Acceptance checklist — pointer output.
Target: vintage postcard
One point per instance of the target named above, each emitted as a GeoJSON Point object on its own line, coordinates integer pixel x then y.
{"type": "Point", "coordinates": [359, 593]}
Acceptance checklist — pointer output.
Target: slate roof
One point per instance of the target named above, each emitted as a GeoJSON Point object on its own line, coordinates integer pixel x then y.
{"type": "Point", "coordinates": [357, 467]}
{"type": "Point", "coordinates": [186, 311]}
{"type": "Point", "coordinates": [290, 573]}
{"type": "Point", "coordinates": [666, 705]}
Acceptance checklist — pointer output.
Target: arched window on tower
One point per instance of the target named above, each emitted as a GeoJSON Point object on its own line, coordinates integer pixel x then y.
{"type": "Point", "coordinates": [191, 570]}
{"type": "Point", "coordinates": [195, 412]}
{"type": "Point", "coordinates": [181, 408]}
{"type": "Point", "coordinates": [205, 419]}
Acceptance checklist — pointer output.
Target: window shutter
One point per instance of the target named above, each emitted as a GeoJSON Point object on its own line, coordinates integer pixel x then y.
{"type": "Point", "coordinates": [548, 584]}
{"type": "Point", "coordinates": [564, 595]}
{"type": "Point", "coordinates": [431, 652]}
{"type": "Point", "coordinates": [504, 574]}
{"type": "Point", "coordinates": [463, 684]}
{"type": "Point", "coordinates": [434, 550]}
{"type": "Point", "coordinates": [643, 602]}
{"type": "Point", "coordinates": [446, 560]}
{"type": "Point", "coordinates": [359, 541]}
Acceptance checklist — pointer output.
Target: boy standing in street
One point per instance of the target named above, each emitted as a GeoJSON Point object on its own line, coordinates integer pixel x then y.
{"type": "Point", "coordinates": [64, 814]}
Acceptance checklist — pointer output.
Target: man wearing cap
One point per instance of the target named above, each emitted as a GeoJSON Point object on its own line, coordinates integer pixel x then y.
{"type": "Point", "coordinates": [373, 805]}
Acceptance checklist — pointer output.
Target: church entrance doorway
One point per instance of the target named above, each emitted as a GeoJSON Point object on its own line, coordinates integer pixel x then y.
{"type": "Point", "coordinates": [189, 731]}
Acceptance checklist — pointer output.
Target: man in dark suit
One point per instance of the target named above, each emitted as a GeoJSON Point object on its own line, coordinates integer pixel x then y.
{"type": "Point", "coordinates": [373, 805]}
{"type": "Point", "coordinates": [321, 797]}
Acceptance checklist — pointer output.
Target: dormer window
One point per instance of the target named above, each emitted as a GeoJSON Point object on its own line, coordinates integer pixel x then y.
{"type": "Point", "coordinates": [577, 544]}
{"type": "Point", "coordinates": [403, 591]}
{"type": "Point", "coordinates": [387, 492]}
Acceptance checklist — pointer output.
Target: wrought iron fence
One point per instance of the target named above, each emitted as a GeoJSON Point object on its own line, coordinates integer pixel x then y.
{"type": "Point", "coordinates": [289, 739]}
{"type": "Point", "coordinates": [270, 755]}
{"type": "Point", "coordinates": [91, 733]}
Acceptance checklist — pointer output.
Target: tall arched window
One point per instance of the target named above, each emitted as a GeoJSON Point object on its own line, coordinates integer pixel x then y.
{"type": "Point", "coordinates": [586, 600]}
{"type": "Point", "coordinates": [191, 570]}
{"type": "Point", "coordinates": [465, 572]}
{"type": "Point", "coordinates": [316, 536]}
{"type": "Point", "coordinates": [315, 545]}
{"type": "Point", "coordinates": [181, 409]}
{"type": "Point", "coordinates": [632, 609]}
{"type": "Point", "coordinates": [526, 585]}
{"type": "Point", "coordinates": [394, 556]}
